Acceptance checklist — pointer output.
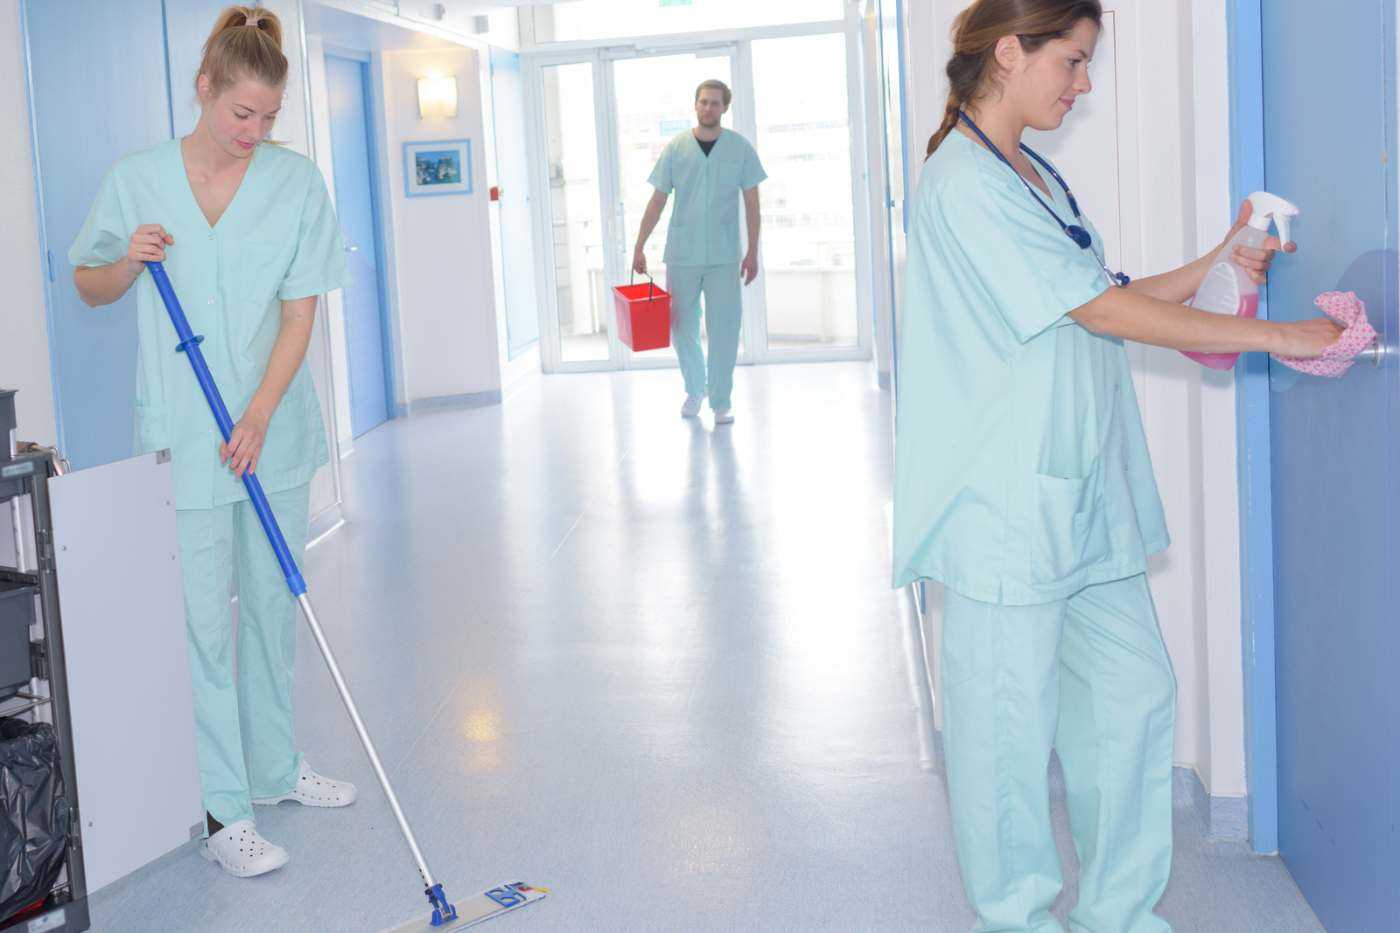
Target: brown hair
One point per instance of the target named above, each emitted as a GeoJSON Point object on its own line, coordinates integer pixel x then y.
{"type": "Point", "coordinates": [246, 43]}
{"type": "Point", "coordinates": [977, 30]}
{"type": "Point", "coordinates": [714, 84]}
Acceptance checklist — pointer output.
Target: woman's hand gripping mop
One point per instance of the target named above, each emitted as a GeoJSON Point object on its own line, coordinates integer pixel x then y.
{"type": "Point", "coordinates": [483, 906]}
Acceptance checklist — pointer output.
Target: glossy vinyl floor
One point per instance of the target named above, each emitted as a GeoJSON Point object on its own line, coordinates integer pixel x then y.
{"type": "Point", "coordinates": [649, 663]}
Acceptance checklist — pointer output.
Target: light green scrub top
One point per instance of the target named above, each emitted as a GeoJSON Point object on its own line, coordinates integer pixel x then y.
{"type": "Point", "coordinates": [1021, 468]}
{"type": "Point", "coordinates": [704, 228]}
{"type": "Point", "coordinates": [277, 240]}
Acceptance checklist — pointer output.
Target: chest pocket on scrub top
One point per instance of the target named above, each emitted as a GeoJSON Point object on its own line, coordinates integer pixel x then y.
{"type": "Point", "coordinates": [259, 268]}
{"type": "Point", "coordinates": [727, 174]}
{"type": "Point", "coordinates": [727, 195]}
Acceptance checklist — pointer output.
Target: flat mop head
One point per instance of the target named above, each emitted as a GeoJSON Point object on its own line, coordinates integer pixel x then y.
{"type": "Point", "coordinates": [487, 905]}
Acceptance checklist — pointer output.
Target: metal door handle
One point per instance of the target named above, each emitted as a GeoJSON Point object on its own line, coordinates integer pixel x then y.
{"type": "Point", "coordinates": [352, 249]}
{"type": "Point", "coordinates": [1376, 354]}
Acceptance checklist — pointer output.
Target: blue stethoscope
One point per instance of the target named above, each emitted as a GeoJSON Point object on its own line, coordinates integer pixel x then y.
{"type": "Point", "coordinates": [1075, 232]}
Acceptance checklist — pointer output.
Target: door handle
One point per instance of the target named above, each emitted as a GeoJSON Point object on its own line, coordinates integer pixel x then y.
{"type": "Point", "coordinates": [1376, 354]}
{"type": "Point", "coordinates": [351, 249]}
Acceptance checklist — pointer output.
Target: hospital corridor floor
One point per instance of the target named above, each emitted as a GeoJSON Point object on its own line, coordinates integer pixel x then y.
{"type": "Point", "coordinates": [648, 663]}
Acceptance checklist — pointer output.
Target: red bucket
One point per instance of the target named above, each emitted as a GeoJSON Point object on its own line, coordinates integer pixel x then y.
{"type": "Point", "coordinates": [643, 316]}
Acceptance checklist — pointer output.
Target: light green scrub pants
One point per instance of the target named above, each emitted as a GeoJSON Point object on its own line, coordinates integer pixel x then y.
{"type": "Point", "coordinates": [243, 724]}
{"type": "Point", "coordinates": [1090, 677]}
{"type": "Point", "coordinates": [724, 307]}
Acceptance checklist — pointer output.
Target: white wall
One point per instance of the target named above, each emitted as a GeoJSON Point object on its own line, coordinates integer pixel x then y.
{"type": "Point", "coordinates": [1181, 156]}
{"type": "Point", "coordinates": [1222, 758]}
{"type": "Point", "coordinates": [443, 275]}
{"type": "Point", "coordinates": [504, 31]}
{"type": "Point", "coordinates": [24, 338]}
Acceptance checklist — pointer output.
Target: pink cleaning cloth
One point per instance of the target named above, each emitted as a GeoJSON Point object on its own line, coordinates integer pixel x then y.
{"type": "Point", "coordinates": [1350, 312]}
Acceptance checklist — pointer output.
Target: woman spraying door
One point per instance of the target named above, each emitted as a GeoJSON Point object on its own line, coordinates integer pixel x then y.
{"type": "Point", "coordinates": [1023, 483]}
{"type": "Point", "coordinates": [246, 230]}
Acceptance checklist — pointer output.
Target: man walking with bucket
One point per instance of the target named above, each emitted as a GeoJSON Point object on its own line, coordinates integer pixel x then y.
{"type": "Point", "coordinates": [708, 168]}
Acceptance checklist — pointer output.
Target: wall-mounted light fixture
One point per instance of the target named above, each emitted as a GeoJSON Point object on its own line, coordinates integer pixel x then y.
{"type": "Point", "coordinates": [437, 97]}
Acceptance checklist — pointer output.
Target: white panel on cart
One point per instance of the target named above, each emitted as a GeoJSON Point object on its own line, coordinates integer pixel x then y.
{"type": "Point", "coordinates": [128, 667]}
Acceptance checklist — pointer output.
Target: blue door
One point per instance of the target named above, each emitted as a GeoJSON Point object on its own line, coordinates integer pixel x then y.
{"type": "Point", "coordinates": [80, 131]}
{"type": "Point", "coordinates": [351, 143]}
{"type": "Point", "coordinates": [1329, 145]}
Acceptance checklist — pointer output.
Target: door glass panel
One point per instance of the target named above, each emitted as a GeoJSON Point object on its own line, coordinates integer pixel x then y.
{"type": "Point", "coordinates": [571, 127]}
{"type": "Point", "coordinates": [808, 241]}
{"type": "Point", "coordinates": [655, 102]}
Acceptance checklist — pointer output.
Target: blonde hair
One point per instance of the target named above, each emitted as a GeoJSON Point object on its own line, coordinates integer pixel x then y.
{"type": "Point", "coordinates": [246, 43]}
{"type": "Point", "coordinates": [714, 84]}
{"type": "Point", "coordinates": [979, 28]}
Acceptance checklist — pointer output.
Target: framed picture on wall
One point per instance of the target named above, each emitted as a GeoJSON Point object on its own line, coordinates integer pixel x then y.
{"type": "Point", "coordinates": [437, 166]}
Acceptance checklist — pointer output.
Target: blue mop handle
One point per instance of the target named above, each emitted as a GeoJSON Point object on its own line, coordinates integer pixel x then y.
{"type": "Point", "coordinates": [189, 345]}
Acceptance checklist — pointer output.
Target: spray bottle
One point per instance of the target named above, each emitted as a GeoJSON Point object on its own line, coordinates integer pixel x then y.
{"type": "Point", "coordinates": [1228, 289]}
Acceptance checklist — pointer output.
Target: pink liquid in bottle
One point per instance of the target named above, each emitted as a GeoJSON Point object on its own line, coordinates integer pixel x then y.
{"type": "Point", "coordinates": [1248, 307]}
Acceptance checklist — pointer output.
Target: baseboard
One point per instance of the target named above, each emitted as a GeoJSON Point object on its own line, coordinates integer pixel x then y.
{"type": "Point", "coordinates": [449, 402]}
{"type": "Point", "coordinates": [1224, 819]}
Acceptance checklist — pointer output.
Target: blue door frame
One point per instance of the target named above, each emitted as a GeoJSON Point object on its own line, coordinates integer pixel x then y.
{"type": "Point", "coordinates": [1255, 453]}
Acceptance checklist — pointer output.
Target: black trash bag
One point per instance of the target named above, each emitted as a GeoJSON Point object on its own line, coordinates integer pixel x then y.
{"type": "Point", "coordinates": [34, 814]}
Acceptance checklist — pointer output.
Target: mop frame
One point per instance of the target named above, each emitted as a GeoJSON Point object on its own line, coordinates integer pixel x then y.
{"type": "Point", "coordinates": [443, 910]}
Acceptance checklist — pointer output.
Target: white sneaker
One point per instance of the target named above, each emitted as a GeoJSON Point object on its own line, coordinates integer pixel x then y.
{"type": "Point", "coordinates": [242, 852]}
{"type": "Point", "coordinates": [691, 408]}
{"type": "Point", "coordinates": [724, 416]}
{"type": "Point", "coordinates": [313, 790]}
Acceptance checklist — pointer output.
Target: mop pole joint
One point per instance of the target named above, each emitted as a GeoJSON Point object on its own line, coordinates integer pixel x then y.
{"type": "Point", "coordinates": [443, 911]}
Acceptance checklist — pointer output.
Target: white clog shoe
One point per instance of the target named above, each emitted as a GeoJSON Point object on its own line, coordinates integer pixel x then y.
{"type": "Point", "coordinates": [242, 852]}
{"type": "Point", "coordinates": [314, 790]}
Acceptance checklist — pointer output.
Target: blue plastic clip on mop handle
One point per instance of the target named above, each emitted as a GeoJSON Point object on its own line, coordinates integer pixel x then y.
{"type": "Point", "coordinates": [189, 345]}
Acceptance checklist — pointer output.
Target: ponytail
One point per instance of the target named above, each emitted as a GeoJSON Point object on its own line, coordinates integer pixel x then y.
{"type": "Point", "coordinates": [246, 43]}
{"type": "Point", "coordinates": [950, 122]}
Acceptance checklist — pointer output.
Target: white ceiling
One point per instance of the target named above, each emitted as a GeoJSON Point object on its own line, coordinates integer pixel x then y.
{"type": "Point", "coordinates": [360, 32]}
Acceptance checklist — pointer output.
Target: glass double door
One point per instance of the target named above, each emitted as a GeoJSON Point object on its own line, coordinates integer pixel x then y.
{"type": "Point", "coordinates": [605, 120]}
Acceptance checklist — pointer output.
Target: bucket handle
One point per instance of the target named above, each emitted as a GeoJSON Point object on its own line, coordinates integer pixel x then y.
{"type": "Point", "coordinates": [651, 283]}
